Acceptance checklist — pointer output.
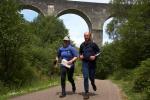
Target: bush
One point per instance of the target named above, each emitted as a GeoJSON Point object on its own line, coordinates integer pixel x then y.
{"type": "Point", "coordinates": [147, 93]}
{"type": "Point", "coordinates": [102, 72]}
{"type": "Point", "coordinates": [123, 74]}
{"type": "Point", "coordinates": [13, 40]}
{"type": "Point", "coordinates": [48, 33]}
{"type": "Point", "coordinates": [142, 78]}
{"type": "Point", "coordinates": [108, 60]}
{"type": "Point", "coordinates": [3, 89]}
{"type": "Point", "coordinates": [26, 49]}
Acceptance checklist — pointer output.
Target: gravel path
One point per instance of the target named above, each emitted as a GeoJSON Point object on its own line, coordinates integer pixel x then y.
{"type": "Point", "coordinates": [106, 90]}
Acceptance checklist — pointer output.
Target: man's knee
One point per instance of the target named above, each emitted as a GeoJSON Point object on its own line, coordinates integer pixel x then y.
{"type": "Point", "coordinates": [70, 79]}
{"type": "Point", "coordinates": [86, 77]}
{"type": "Point", "coordinates": [85, 74]}
{"type": "Point", "coordinates": [92, 78]}
{"type": "Point", "coordinates": [63, 77]}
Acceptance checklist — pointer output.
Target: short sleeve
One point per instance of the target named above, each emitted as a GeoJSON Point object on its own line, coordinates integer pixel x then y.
{"type": "Point", "coordinates": [96, 48]}
{"type": "Point", "coordinates": [81, 49]}
{"type": "Point", "coordinates": [74, 52]}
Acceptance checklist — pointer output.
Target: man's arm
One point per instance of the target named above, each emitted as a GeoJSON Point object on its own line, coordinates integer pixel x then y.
{"type": "Point", "coordinates": [96, 50]}
{"type": "Point", "coordinates": [75, 55]}
{"type": "Point", "coordinates": [72, 60]}
{"type": "Point", "coordinates": [57, 59]}
{"type": "Point", "coordinates": [81, 52]}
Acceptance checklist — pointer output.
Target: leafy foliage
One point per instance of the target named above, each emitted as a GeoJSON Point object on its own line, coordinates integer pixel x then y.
{"type": "Point", "coordinates": [142, 77]}
{"type": "Point", "coordinates": [27, 50]}
{"type": "Point", "coordinates": [130, 30]}
{"type": "Point", "coordinates": [13, 39]}
{"type": "Point", "coordinates": [130, 26]}
{"type": "Point", "coordinates": [48, 33]}
{"type": "Point", "coordinates": [107, 61]}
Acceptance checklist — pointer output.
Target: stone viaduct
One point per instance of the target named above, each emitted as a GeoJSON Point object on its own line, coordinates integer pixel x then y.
{"type": "Point", "coordinates": [95, 14]}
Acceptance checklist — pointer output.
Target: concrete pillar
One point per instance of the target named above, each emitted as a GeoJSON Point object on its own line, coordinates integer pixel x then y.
{"type": "Point", "coordinates": [50, 10]}
{"type": "Point", "coordinates": [97, 36]}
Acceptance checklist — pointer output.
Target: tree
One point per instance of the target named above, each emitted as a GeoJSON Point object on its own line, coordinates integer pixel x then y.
{"type": "Point", "coordinates": [13, 38]}
{"type": "Point", "coordinates": [133, 18]}
{"type": "Point", "coordinates": [131, 24]}
{"type": "Point", "coordinates": [27, 50]}
{"type": "Point", "coordinates": [48, 33]}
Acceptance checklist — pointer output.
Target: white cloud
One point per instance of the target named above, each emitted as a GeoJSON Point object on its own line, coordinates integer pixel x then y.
{"type": "Point", "coordinates": [76, 26]}
{"type": "Point", "coordinates": [98, 1]}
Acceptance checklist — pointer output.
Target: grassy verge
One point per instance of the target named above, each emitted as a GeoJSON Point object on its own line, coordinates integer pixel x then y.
{"type": "Point", "coordinates": [126, 87]}
{"type": "Point", "coordinates": [78, 65]}
{"type": "Point", "coordinates": [40, 85]}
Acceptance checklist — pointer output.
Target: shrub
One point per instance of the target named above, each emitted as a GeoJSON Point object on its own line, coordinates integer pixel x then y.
{"type": "Point", "coordinates": [142, 78]}
{"type": "Point", "coordinates": [108, 60]}
{"type": "Point", "coordinates": [3, 89]}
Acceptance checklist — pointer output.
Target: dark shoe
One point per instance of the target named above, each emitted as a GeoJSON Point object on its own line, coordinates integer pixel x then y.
{"type": "Point", "coordinates": [86, 96]}
{"type": "Point", "coordinates": [94, 87]}
{"type": "Point", "coordinates": [62, 95]}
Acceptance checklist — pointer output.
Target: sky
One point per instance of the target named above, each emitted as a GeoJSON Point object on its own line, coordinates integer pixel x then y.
{"type": "Point", "coordinates": [29, 15]}
{"type": "Point", "coordinates": [74, 23]}
{"type": "Point", "coordinates": [76, 26]}
{"type": "Point", "coordinates": [98, 1]}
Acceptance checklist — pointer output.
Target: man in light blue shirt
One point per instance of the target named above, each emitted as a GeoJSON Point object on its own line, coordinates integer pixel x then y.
{"type": "Point", "coordinates": [69, 53]}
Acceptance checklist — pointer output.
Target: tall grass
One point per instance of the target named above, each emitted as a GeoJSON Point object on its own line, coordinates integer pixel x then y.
{"type": "Point", "coordinates": [35, 86]}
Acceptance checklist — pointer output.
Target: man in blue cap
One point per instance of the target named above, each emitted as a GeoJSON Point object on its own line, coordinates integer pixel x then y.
{"type": "Point", "coordinates": [69, 54]}
{"type": "Point", "coordinates": [88, 53]}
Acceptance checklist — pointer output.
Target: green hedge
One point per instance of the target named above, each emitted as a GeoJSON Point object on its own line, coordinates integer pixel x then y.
{"type": "Point", "coordinates": [142, 78]}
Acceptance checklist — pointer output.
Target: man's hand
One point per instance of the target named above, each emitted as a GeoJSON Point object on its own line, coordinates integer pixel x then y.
{"type": "Point", "coordinates": [70, 62]}
{"type": "Point", "coordinates": [81, 57]}
{"type": "Point", "coordinates": [92, 58]}
{"type": "Point", "coordinates": [55, 62]}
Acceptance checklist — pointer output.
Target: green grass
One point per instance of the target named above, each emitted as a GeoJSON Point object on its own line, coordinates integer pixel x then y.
{"type": "Point", "coordinates": [40, 85]}
{"type": "Point", "coordinates": [3, 98]}
{"type": "Point", "coordinates": [36, 86]}
{"type": "Point", "coordinates": [78, 66]}
{"type": "Point", "coordinates": [126, 87]}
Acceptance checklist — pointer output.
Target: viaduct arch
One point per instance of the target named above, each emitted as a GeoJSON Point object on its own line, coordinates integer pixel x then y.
{"type": "Point", "coordinates": [95, 14]}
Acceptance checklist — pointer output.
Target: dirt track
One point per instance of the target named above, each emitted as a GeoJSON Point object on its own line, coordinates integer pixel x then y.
{"type": "Point", "coordinates": [106, 90]}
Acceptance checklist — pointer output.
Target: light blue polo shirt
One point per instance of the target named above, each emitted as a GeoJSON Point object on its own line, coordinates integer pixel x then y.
{"type": "Point", "coordinates": [67, 53]}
